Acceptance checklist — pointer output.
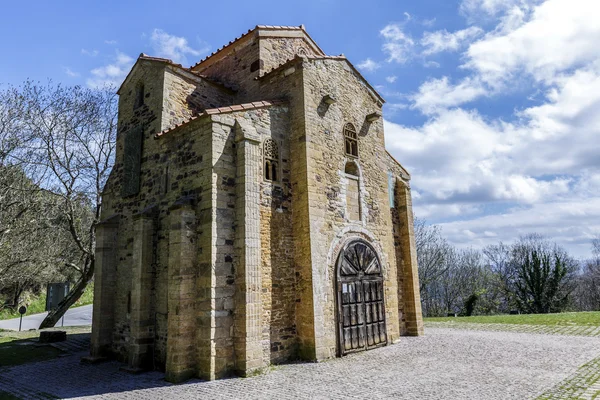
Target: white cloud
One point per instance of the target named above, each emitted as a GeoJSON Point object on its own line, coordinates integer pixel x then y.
{"type": "Point", "coordinates": [559, 35]}
{"type": "Point", "coordinates": [486, 9]}
{"type": "Point", "coordinates": [429, 22]}
{"type": "Point", "coordinates": [431, 64]}
{"type": "Point", "coordinates": [71, 73]}
{"type": "Point", "coordinates": [436, 42]}
{"type": "Point", "coordinates": [369, 65]}
{"type": "Point", "coordinates": [91, 53]}
{"type": "Point", "coordinates": [112, 73]}
{"type": "Point", "coordinates": [571, 222]}
{"type": "Point", "coordinates": [391, 79]}
{"type": "Point", "coordinates": [545, 164]}
{"type": "Point", "coordinates": [437, 94]}
{"type": "Point", "coordinates": [110, 42]}
{"type": "Point", "coordinates": [407, 16]}
{"type": "Point", "coordinates": [397, 45]}
{"type": "Point", "coordinates": [172, 47]}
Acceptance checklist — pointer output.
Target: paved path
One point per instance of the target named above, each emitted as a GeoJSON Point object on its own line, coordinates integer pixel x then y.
{"type": "Point", "coordinates": [73, 317]}
{"type": "Point", "coordinates": [568, 330]}
{"type": "Point", "coordinates": [443, 364]}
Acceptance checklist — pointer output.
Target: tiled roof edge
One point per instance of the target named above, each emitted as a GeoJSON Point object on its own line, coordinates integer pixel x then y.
{"type": "Point", "coordinates": [340, 57]}
{"type": "Point", "coordinates": [222, 110]}
{"type": "Point", "coordinates": [272, 27]}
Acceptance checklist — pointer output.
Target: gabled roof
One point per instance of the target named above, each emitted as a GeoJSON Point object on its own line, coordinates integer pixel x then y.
{"type": "Point", "coordinates": [341, 57]}
{"type": "Point", "coordinates": [273, 28]}
{"type": "Point", "coordinates": [398, 164]}
{"type": "Point", "coordinates": [222, 110]}
{"type": "Point", "coordinates": [176, 67]}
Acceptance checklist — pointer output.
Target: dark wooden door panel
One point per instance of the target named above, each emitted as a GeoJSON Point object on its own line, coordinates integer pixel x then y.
{"type": "Point", "coordinates": [361, 311]}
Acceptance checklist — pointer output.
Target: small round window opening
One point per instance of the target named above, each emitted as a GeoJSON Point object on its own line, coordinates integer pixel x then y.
{"type": "Point", "coordinates": [271, 151]}
{"type": "Point", "coordinates": [351, 140]}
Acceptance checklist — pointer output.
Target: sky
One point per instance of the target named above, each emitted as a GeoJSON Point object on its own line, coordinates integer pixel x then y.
{"type": "Point", "coordinates": [492, 105]}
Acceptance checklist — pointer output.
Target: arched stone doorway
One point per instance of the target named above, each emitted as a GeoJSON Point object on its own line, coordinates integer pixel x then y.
{"type": "Point", "coordinates": [360, 301]}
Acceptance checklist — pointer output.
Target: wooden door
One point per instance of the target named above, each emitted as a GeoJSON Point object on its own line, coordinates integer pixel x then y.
{"type": "Point", "coordinates": [361, 310]}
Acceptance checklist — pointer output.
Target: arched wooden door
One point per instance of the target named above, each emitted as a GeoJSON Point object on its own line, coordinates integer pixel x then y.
{"type": "Point", "coordinates": [360, 303]}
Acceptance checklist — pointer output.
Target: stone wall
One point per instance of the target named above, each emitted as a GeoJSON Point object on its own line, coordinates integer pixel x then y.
{"type": "Point", "coordinates": [238, 271]}
{"type": "Point", "coordinates": [186, 94]}
{"type": "Point", "coordinates": [238, 69]}
{"type": "Point", "coordinates": [333, 225]}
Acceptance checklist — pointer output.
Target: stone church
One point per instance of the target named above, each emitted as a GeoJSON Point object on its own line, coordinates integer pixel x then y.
{"type": "Point", "coordinates": [253, 215]}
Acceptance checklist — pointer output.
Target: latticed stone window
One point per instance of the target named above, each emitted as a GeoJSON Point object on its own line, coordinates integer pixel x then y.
{"type": "Point", "coordinates": [351, 140]}
{"type": "Point", "coordinates": [271, 151]}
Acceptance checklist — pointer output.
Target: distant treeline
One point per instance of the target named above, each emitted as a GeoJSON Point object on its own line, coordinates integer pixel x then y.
{"type": "Point", "coordinates": [530, 275]}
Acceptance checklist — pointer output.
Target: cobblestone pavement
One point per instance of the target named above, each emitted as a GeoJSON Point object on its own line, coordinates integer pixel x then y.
{"type": "Point", "coordinates": [443, 364]}
{"type": "Point", "coordinates": [583, 384]}
{"type": "Point", "coordinates": [574, 330]}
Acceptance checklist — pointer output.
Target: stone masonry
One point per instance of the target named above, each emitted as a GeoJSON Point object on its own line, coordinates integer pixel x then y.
{"type": "Point", "coordinates": [253, 215]}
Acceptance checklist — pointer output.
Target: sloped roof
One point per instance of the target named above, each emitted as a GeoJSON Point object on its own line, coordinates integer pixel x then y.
{"type": "Point", "coordinates": [261, 27]}
{"type": "Point", "coordinates": [222, 110]}
{"type": "Point", "coordinates": [176, 66]}
{"type": "Point", "coordinates": [341, 57]}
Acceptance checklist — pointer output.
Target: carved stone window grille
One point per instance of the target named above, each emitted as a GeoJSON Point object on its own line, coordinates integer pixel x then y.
{"type": "Point", "coordinates": [271, 152]}
{"type": "Point", "coordinates": [351, 140]}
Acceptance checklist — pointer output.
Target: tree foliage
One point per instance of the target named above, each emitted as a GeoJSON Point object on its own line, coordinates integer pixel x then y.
{"type": "Point", "coordinates": [531, 275]}
{"type": "Point", "coordinates": [63, 139]}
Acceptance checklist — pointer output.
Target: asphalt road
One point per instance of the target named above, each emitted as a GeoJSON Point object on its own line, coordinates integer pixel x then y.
{"type": "Point", "coordinates": [73, 317]}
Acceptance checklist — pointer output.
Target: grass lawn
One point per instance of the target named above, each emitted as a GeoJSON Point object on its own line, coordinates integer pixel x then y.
{"type": "Point", "coordinates": [560, 319]}
{"type": "Point", "coordinates": [8, 396]}
{"type": "Point", "coordinates": [18, 347]}
{"type": "Point", "coordinates": [37, 304]}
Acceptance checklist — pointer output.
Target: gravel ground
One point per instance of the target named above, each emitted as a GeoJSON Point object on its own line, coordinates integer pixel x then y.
{"type": "Point", "coordinates": [443, 364]}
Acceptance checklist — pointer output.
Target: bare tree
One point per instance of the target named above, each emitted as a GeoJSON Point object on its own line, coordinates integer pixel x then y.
{"type": "Point", "coordinates": [68, 142]}
{"type": "Point", "coordinates": [504, 273]}
{"type": "Point", "coordinates": [432, 253]}
{"type": "Point", "coordinates": [587, 293]}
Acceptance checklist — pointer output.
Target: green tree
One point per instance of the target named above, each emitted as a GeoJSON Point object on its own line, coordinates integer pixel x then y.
{"type": "Point", "coordinates": [542, 283]}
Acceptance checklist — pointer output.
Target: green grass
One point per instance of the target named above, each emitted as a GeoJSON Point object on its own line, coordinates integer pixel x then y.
{"type": "Point", "coordinates": [560, 319]}
{"type": "Point", "coordinates": [37, 304]}
{"type": "Point", "coordinates": [8, 396]}
{"type": "Point", "coordinates": [18, 347]}
{"type": "Point", "coordinates": [17, 352]}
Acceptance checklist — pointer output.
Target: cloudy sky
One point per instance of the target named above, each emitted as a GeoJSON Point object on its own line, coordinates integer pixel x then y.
{"type": "Point", "coordinates": [493, 105]}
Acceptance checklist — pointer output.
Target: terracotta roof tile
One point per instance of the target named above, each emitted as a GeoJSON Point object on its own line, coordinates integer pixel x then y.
{"type": "Point", "coordinates": [222, 110]}
{"type": "Point", "coordinates": [340, 57]}
{"type": "Point", "coordinates": [276, 27]}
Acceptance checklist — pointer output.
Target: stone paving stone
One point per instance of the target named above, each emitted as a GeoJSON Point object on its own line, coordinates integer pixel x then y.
{"type": "Point", "coordinates": [443, 364]}
{"type": "Point", "coordinates": [539, 329]}
{"type": "Point", "coordinates": [583, 384]}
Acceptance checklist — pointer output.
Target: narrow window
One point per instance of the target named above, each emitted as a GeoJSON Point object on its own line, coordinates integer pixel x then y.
{"type": "Point", "coordinates": [352, 191]}
{"type": "Point", "coordinates": [351, 140]}
{"type": "Point", "coordinates": [391, 187]}
{"type": "Point", "coordinates": [271, 152]}
{"type": "Point", "coordinates": [139, 96]}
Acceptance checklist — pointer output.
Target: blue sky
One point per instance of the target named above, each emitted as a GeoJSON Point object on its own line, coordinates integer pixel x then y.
{"type": "Point", "coordinates": [491, 104]}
